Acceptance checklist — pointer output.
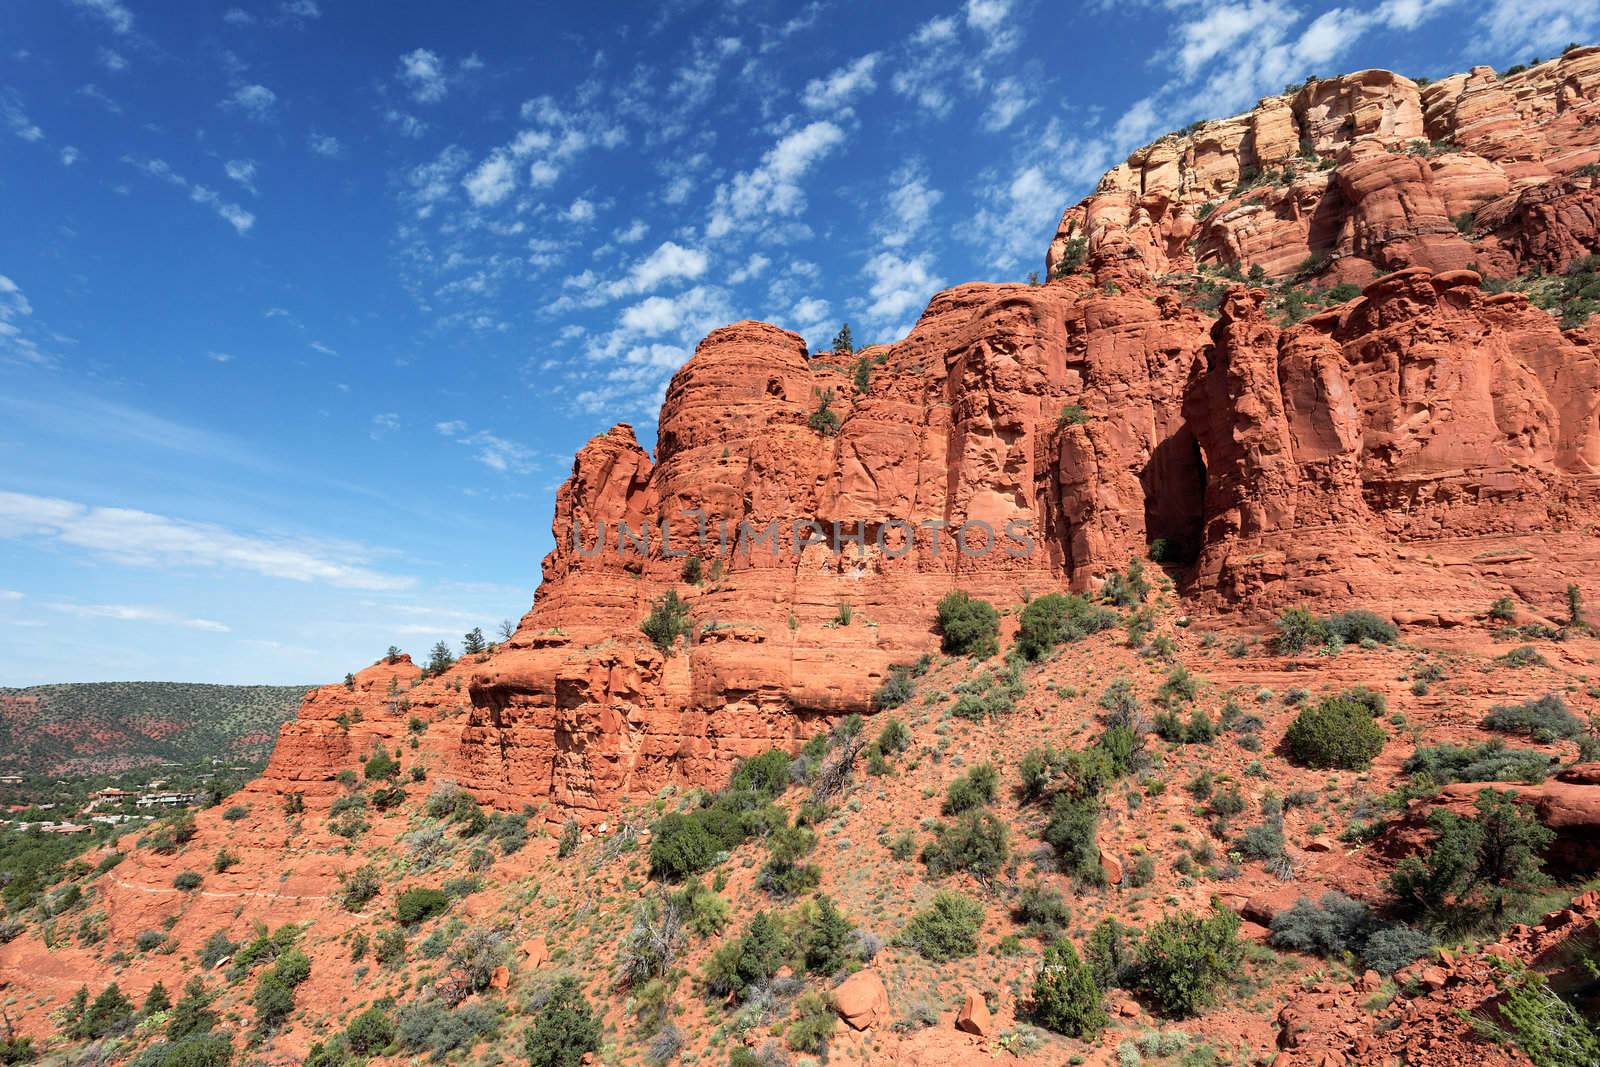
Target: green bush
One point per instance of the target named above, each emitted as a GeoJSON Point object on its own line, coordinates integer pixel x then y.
{"type": "Point", "coordinates": [1126, 589]}
{"type": "Point", "coordinates": [1354, 627]}
{"type": "Point", "coordinates": [187, 880]}
{"type": "Point", "coordinates": [1338, 733]}
{"type": "Point", "coordinates": [825, 937]}
{"type": "Point", "coordinates": [1111, 954]}
{"type": "Point", "coordinates": [1476, 868]}
{"type": "Point", "coordinates": [683, 844]}
{"type": "Point", "coordinates": [972, 790]}
{"type": "Point", "coordinates": [968, 626]}
{"type": "Point", "coordinates": [1544, 720]}
{"type": "Point", "coordinates": [565, 1029]}
{"type": "Point", "coordinates": [945, 930]}
{"type": "Point", "coordinates": [358, 887]}
{"type": "Point", "coordinates": [1488, 762]}
{"type": "Point", "coordinates": [1298, 630]}
{"type": "Point", "coordinates": [1071, 832]}
{"type": "Point", "coordinates": [1058, 618]}
{"type": "Point", "coordinates": [766, 775]}
{"type": "Point", "coordinates": [1185, 959]}
{"type": "Point", "coordinates": [1543, 1025]}
{"type": "Point", "coordinates": [381, 767]}
{"type": "Point", "coordinates": [668, 620]}
{"type": "Point", "coordinates": [370, 1032]}
{"type": "Point", "coordinates": [813, 1023]}
{"type": "Point", "coordinates": [752, 959]}
{"type": "Point", "coordinates": [976, 843]}
{"type": "Point", "coordinates": [824, 419]}
{"type": "Point", "coordinates": [420, 904]}
{"type": "Point", "coordinates": [1065, 997]}
{"type": "Point", "coordinates": [1043, 910]}
{"type": "Point", "coordinates": [1338, 926]}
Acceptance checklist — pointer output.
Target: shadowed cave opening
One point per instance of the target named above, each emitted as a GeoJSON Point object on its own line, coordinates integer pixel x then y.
{"type": "Point", "coordinates": [1174, 482]}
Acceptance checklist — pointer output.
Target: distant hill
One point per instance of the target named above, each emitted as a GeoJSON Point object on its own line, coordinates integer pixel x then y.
{"type": "Point", "coordinates": [97, 727]}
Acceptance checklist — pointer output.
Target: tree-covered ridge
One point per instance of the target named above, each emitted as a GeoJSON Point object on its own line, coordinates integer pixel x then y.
{"type": "Point", "coordinates": [80, 727]}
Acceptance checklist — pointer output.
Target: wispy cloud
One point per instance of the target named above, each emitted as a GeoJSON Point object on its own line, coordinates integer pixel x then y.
{"type": "Point", "coordinates": [116, 15]}
{"type": "Point", "coordinates": [422, 73]}
{"type": "Point", "coordinates": [141, 538]}
{"type": "Point", "coordinates": [495, 452]}
{"type": "Point", "coordinates": [139, 613]}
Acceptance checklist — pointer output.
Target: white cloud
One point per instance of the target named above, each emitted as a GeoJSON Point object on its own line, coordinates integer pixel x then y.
{"type": "Point", "coordinates": [236, 216]}
{"type": "Point", "coordinates": [992, 20]}
{"type": "Point", "coordinates": [138, 613]}
{"type": "Point", "coordinates": [579, 211]}
{"type": "Point", "coordinates": [773, 188]}
{"type": "Point", "coordinates": [220, 357]}
{"type": "Point", "coordinates": [408, 125]}
{"type": "Point", "coordinates": [450, 428]}
{"type": "Point", "coordinates": [898, 286]}
{"type": "Point", "coordinates": [116, 14]}
{"type": "Point", "coordinates": [325, 145]}
{"type": "Point", "coordinates": [492, 181]}
{"type": "Point", "coordinates": [14, 344]}
{"type": "Point", "coordinates": [422, 72]}
{"type": "Point", "coordinates": [16, 119]}
{"type": "Point", "coordinates": [10, 595]}
{"type": "Point", "coordinates": [69, 156]}
{"type": "Point", "coordinates": [327, 350]}
{"type": "Point", "coordinates": [1517, 29]}
{"type": "Point", "coordinates": [112, 60]}
{"type": "Point", "coordinates": [255, 101]}
{"type": "Point", "coordinates": [1009, 101]}
{"type": "Point", "coordinates": [301, 9]}
{"type": "Point", "coordinates": [384, 424]}
{"type": "Point", "coordinates": [837, 89]}
{"type": "Point", "coordinates": [242, 171]}
{"type": "Point", "coordinates": [142, 538]}
{"type": "Point", "coordinates": [911, 204]}
{"type": "Point", "coordinates": [634, 233]}
{"type": "Point", "coordinates": [753, 268]}
{"type": "Point", "coordinates": [495, 452]}
{"type": "Point", "coordinates": [669, 262]}
{"type": "Point", "coordinates": [236, 16]}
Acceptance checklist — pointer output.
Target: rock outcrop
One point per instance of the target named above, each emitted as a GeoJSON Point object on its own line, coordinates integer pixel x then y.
{"type": "Point", "coordinates": [1419, 449]}
{"type": "Point", "coordinates": [1352, 177]}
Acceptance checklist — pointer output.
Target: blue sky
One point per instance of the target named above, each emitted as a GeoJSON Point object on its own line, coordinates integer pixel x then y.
{"type": "Point", "coordinates": [305, 305]}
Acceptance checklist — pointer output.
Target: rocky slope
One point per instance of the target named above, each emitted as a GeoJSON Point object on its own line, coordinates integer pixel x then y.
{"type": "Point", "coordinates": [1423, 444]}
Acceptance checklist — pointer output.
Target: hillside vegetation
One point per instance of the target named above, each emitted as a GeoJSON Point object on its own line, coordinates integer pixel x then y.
{"type": "Point", "coordinates": [101, 726]}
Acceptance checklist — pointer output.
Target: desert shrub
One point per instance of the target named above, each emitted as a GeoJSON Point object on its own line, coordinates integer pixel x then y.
{"type": "Point", "coordinates": [1196, 728]}
{"type": "Point", "coordinates": [273, 1001]}
{"type": "Point", "coordinates": [1543, 720]}
{"type": "Point", "coordinates": [1475, 868]}
{"type": "Point", "coordinates": [1126, 589]}
{"type": "Point", "coordinates": [893, 738]}
{"type": "Point", "coordinates": [1503, 609]}
{"type": "Point", "coordinates": [824, 419]}
{"type": "Point", "coordinates": [1338, 733]}
{"type": "Point", "coordinates": [1185, 958]}
{"type": "Point", "coordinates": [187, 880]}
{"type": "Point", "coordinates": [752, 959]}
{"type": "Point", "coordinates": [382, 767]}
{"type": "Point", "coordinates": [564, 1030]}
{"type": "Point", "coordinates": [682, 844]}
{"type": "Point", "coordinates": [977, 843]}
{"type": "Point", "coordinates": [783, 874]}
{"type": "Point", "coordinates": [652, 944]}
{"type": "Point", "coordinates": [825, 937]}
{"type": "Point", "coordinates": [1065, 997]}
{"type": "Point", "coordinates": [1142, 872]}
{"type": "Point", "coordinates": [1522, 656]}
{"type": "Point", "coordinates": [968, 626]}
{"type": "Point", "coordinates": [571, 837]}
{"type": "Point", "coordinates": [972, 790]}
{"type": "Point", "coordinates": [370, 1032]}
{"type": "Point", "coordinates": [1299, 629]}
{"type": "Point", "coordinates": [813, 1023]}
{"type": "Point", "coordinates": [1488, 762]}
{"type": "Point", "coordinates": [1071, 833]}
{"type": "Point", "coordinates": [1043, 910]}
{"type": "Point", "coordinates": [703, 910]}
{"type": "Point", "coordinates": [945, 930]}
{"type": "Point", "coordinates": [420, 904]}
{"type": "Point", "coordinates": [1111, 953]}
{"type": "Point", "coordinates": [109, 1013]}
{"type": "Point", "coordinates": [1058, 618]}
{"type": "Point", "coordinates": [1354, 627]}
{"type": "Point", "coordinates": [1390, 948]}
{"type": "Point", "coordinates": [668, 620]}
{"type": "Point", "coordinates": [358, 887]}
{"type": "Point", "coordinates": [1543, 1025]}
{"type": "Point", "coordinates": [192, 1014]}
{"type": "Point", "coordinates": [895, 690]}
